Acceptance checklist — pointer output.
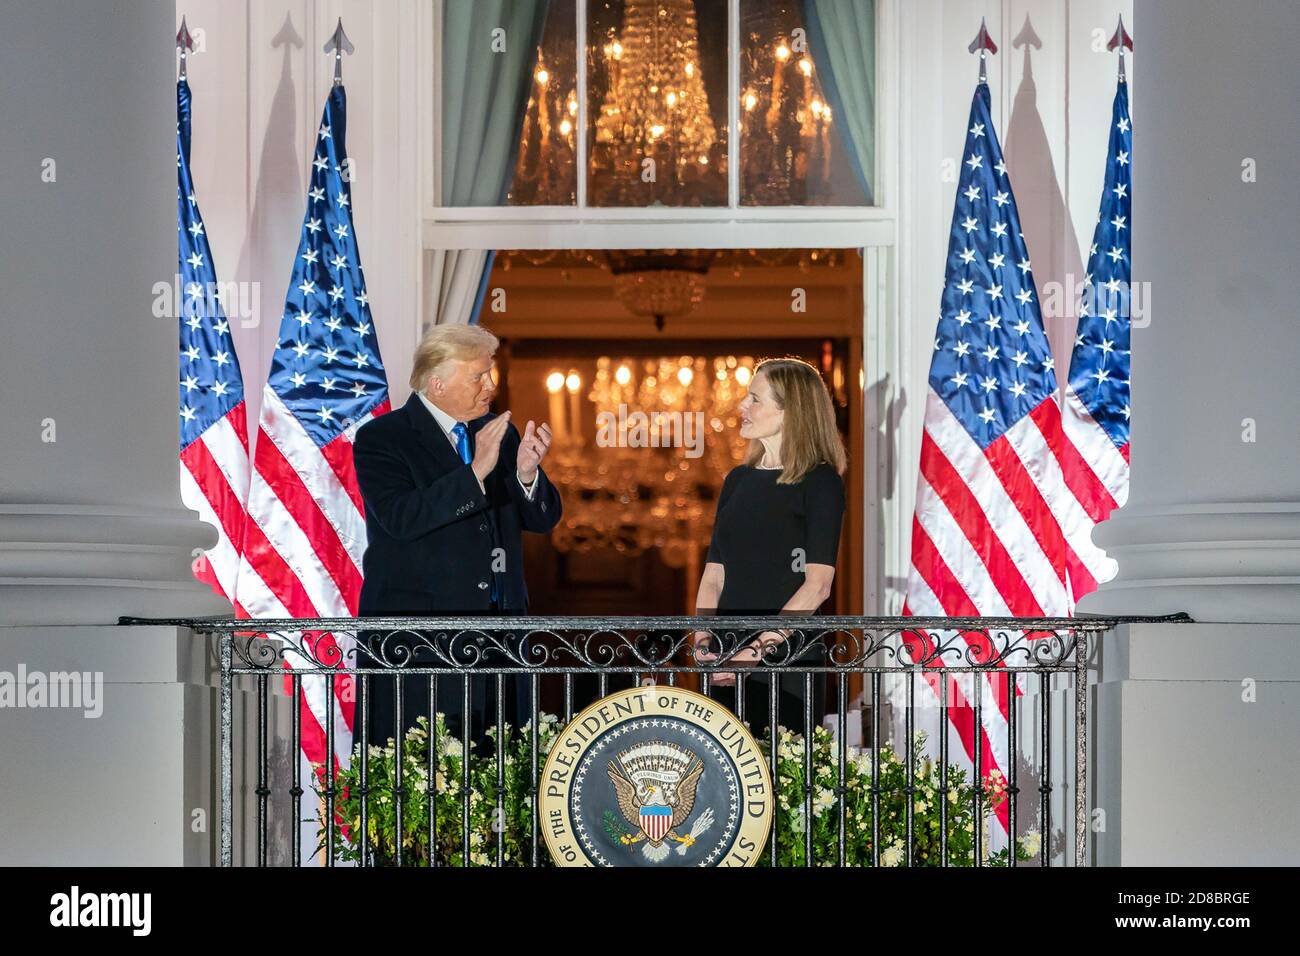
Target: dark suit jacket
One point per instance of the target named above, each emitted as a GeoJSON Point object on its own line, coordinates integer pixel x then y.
{"type": "Point", "coordinates": [431, 533]}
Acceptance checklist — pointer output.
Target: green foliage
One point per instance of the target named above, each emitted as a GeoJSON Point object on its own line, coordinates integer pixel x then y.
{"type": "Point", "coordinates": [514, 819]}
{"type": "Point", "coordinates": [791, 810]}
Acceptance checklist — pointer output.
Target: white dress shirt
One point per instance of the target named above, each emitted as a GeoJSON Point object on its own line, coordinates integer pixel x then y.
{"type": "Point", "coordinates": [447, 423]}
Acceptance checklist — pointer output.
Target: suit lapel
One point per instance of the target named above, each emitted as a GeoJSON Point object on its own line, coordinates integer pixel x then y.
{"type": "Point", "coordinates": [475, 426]}
{"type": "Point", "coordinates": [431, 434]}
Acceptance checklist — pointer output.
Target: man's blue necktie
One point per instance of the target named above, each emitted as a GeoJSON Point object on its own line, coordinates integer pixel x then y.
{"type": "Point", "coordinates": [462, 442]}
{"type": "Point", "coordinates": [462, 449]}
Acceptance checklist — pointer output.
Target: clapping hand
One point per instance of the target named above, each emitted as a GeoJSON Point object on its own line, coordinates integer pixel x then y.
{"type": "Point", "coordinates": [487, 445]}
{"type": "Point", "coordinates": [534, 444]}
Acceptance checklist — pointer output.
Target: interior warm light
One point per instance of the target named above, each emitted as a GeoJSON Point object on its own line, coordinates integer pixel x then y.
{"type": "Point", "coordinates": [657, 284]}
{"type": "Point", "coordinates": [573, 382]}
{"type": "Point", "coordinates": [750, 101]}
{"type": "Point", "coordinates": [671, 492]}
{"type": "Point", "coordinates": [566, 127]}
{"type": "Point", "coordinates": [805, 65]}
{"type": "Point", "coordinates": [543, 77]}
{"type": "Point", "coordinates": [554, 382]}
{"type": "Point", "coordinates": [783, 53]}
{"type": "Point", "coordinates": [743, 375]}
{"type": "Point", "coordinates": [659, 86]}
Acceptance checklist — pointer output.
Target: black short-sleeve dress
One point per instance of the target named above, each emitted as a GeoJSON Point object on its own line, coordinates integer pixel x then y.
{"type": "Point", "coordinates": [764, 534]}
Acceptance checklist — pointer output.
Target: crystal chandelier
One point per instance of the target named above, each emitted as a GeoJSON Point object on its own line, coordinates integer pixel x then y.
{"type": "Point", "coordinates": [544, 167]}
{"type": "Point", "coordinates": [659, 283]}
{"type": "Point", "coordinates": [630, 492]}
{"type": "Point", "coordinates": [654, 135]}
{"type": "Point", "coordinates": [785, 125]}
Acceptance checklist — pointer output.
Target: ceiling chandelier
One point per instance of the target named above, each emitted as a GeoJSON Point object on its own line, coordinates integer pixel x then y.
{"type": "Point", "coordinates": [654, 134]}
{"type": "Point", "coordinates": [659, 283]}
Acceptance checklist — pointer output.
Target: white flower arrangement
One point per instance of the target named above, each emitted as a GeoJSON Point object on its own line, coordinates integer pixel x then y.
{"type": "Point", "coordinates": [514, 820]}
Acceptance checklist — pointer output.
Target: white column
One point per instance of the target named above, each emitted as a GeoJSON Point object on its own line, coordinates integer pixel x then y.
{"type": "Point", "coordinates": [91, 524]}
{"type": "Point", "coordinates": [1194, 724]}
{"type": "Point", "coordinates": [1212, 525]}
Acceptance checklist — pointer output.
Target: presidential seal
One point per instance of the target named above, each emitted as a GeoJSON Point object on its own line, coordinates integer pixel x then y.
{"type": "Point", "coordinates": [655, 776]}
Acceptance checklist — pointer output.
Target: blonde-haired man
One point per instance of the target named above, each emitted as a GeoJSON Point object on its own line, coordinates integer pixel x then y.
{"type": "Point", "coordinates": [449, 488]}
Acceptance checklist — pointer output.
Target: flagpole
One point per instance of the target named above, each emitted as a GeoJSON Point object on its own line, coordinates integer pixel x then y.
{"type": "Point", "coordinates": [184, 43]}
{"type": "Point", "coordinates": [984, 45]}
{"type": "Point", "coordinates": [1121, 40]}
{"type": "Point", "coordinates": [338, 44]}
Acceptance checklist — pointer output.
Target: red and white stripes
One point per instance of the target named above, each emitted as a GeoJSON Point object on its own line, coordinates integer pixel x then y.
{"type": "Point", "coordinates": [214, 472]}
{"type": "Point", "coordinates": [996, 533]}
{"type": "Point", "coordinates": [302, 557]}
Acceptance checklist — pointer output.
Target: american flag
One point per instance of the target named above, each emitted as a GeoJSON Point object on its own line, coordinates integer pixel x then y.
{"type": "Point", "coordinates": [995, 528]}
{"type": "Point", "coordinates": [1096, 412]}
{"type": "Point", "coordinates": [213, 428]}
{"type": "Point", "coordinates": [306, 529]}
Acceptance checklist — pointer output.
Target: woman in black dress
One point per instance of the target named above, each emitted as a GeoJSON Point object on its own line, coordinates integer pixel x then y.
{"type": "Point", "coordinates": [776, 532]}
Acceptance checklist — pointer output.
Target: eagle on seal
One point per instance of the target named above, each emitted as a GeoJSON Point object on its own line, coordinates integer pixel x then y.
{"type": "Point", "coordinates": [655, 783]}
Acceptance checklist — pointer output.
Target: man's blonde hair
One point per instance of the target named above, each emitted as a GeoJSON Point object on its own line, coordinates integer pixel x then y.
{"type": "Point", "coordinates": [443, 343]}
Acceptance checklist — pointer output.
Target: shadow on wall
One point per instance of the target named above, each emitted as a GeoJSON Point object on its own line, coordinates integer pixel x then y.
{"type": "Point", "coordinates": [884, 413]}
{"type": "Point", "coordinates": [273, 222]}
{"type": "Point", "coordinates": [1049, 232]}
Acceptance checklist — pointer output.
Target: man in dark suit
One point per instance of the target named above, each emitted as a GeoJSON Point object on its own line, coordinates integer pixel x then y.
{"type": "Point", "coordinates": [448, 490]}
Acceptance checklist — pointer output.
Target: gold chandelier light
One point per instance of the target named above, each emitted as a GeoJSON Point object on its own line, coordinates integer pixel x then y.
{"type": "Point", "coordinates": [659, 283]}
{"type": "Point", "coordinates": [628, 487]}
{"type": "Point", "coordinates": [654, 134]}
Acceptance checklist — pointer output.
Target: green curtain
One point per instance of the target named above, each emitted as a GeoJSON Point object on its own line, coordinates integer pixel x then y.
{"type": "Point", "coordinates": [484, 94]}
{"type": "Point", "coordinates": [842, 37]}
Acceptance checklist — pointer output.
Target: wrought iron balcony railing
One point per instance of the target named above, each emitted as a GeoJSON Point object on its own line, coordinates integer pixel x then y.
{"type": "Point", "coordinates": [869, 665]}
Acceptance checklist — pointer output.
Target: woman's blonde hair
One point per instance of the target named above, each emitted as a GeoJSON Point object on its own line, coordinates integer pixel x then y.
{"type": "Point", "coordinates": [808, 436]}
{"type": "Point", "coordinates": [449, 342]}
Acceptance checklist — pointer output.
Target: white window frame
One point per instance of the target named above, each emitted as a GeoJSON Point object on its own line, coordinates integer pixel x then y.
{"type": "Point", "coordinates": [874, 229]}
{"type": "Point", "coordinates": [581, 226]}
